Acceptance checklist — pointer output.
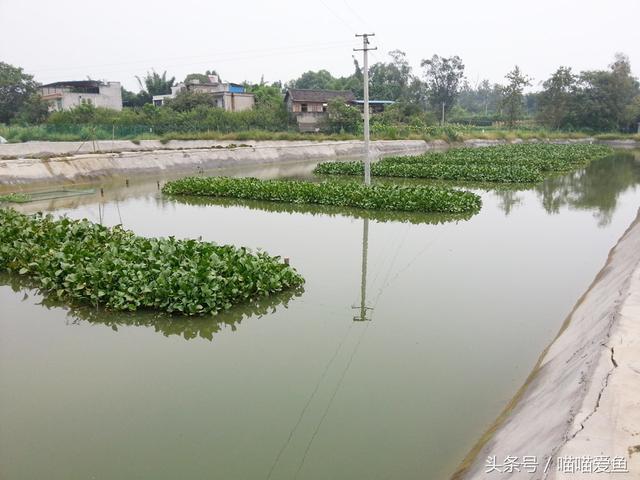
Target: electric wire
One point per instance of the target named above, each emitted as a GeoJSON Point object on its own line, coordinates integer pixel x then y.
{"type": "Point", "coordinates": [342, 20]}
{"type": "Point", "coordinates": [333, 396]}
{"type": "Point", "coordinates": [225, 60]}
{"type": "Point", "coordinates": [205, 56]}
{"type": "Point", "coordinates": [309, 400]}
{"type": "Point", "coordinates": [403, 269]}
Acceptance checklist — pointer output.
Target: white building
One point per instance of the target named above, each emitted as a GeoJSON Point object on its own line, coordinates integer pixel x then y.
{"type": "Point", "coordinates": [67, 95]}
{"type": "Point", "coordinates": [228, 96]}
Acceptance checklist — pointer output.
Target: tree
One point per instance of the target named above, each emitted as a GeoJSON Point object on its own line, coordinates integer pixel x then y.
{"type": "Point", "coordinates": [267, 96]}
{"type": "Point", "coordinates": [155, 84]}
{"type": "Point", "coordinates": [17, 91]}
{"type": "Point", "coordinates": [512, 97]}
{"type": "Point", "coordinates": [200, 77]}
{"type": "Point", "coordinates": [632, 114]}
{"type": "Point", "coordinates": [34, 110]}
{"type": "Point", "coordinates": [323, 80]}
{"type": "Point", "coordinates": [483, 99]}
{"type": "Point", "coordinates": [556, 101]}
{"type": "Point", "coordinates": [390, 81]}
{"type": "Point", "coordinates": [342, 117]}
{"type": "Point", "coordinates": [604, 96]}
{"type": "Point", "coordinates": [442, 77]}
{"type": "Point", "coordinates": [185, 101]}
{"type": "Point", "coordinates": [130, 99]}
{"type": "Point", "coordinates": [320, 80]}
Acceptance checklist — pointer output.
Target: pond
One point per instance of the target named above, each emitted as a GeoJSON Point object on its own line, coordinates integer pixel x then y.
{"type": "Point", "coordinates": [307, 384]}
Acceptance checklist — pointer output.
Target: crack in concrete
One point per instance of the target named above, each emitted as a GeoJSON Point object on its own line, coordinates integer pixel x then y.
{"type": "Point", "coordinates": [605, 383]}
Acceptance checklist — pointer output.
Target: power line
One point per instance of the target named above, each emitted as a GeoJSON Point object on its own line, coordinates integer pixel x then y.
{"type": "Point", "coordinates": [356, 14]}
{"type": "Point", "coordinates": [342, 20]}
{"type": "Point", "coordinates": [203, 56]}
{"type": "Point", "coordinates": [333, 396]}
{"type": "Point", "coordinates": [304, 409]}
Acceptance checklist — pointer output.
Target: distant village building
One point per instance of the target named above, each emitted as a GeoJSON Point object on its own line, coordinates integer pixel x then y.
{"type": "Point", "coordinates": [309, 107]}
{"type": "Point", "coordinates": [232, 97]}
{"type": "Point", "coordinates": [67, 95]}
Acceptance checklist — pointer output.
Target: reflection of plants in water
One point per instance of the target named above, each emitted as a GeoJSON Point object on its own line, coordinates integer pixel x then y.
{"type": "Point", "coordinates": [509, 199]}
{"type": "Point", "coordinates": [596, 188]}
{"type": "Point", "coordinates": [186, 327]}
{"type": "Point", "coordinates": [377, 215]}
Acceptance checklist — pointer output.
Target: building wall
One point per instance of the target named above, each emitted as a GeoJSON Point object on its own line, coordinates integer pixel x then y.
{"type": "Point", "coordinates": [310, 121]}
{"type": "Point", "coordinates": [110, 96]}
{"type": "Point", "coordinates": [317, 107]}
{"type": "Point", "coordinates": [237, 102]}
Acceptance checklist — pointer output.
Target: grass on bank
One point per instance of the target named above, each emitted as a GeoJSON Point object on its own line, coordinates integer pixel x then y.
{"type": "Point", "coordinates": [15, 198]}
{"type": "Point", "coordinates": [83, 262]}
{"type": "Point", "coordinates": [522, 163]}
{"type": "Point", "coordinates": [135, 133]}
{"type": "Point", "coordinates": [421, 198]}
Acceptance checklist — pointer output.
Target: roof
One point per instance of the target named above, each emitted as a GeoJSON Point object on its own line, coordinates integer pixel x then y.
{"type": "Point", "coordinates": [376, 102]}
{"type": "Point", "coordinates": [75, 84]}
{"type": "Point", "coordinates": [303, 95]}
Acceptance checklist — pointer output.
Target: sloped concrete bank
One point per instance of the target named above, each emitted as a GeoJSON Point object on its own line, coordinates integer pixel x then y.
{"type": "Point", "coordinates": [36, 162]}
{"type": "Point", "coordinates": [583, 398]}
{"type": "Point", "coordinates": [185, 156]}
{"type": "Point", "coordinates": [51, 149]}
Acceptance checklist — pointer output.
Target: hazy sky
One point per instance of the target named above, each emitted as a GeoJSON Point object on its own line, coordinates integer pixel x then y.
{"type": "Point", "coordinates": [280, 39]}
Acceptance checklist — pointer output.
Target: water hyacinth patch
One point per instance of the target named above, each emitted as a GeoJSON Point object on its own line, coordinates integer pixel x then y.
{"type": "Point", "coordinates": [420, 198]}
{"type": "Point", "coordinates": [522, 163]}
{"type": "Point", "coordinates": [437, 171]}
{"type": "Point", "coordinates": [546, 157]}
{"type": "Point", "coordinates": [80, 261]}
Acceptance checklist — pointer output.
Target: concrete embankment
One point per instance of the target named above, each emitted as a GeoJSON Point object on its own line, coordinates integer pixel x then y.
{"type": "Point", "coordinates": [582, 401]}
{"type": "Point", "coordinates": [34, 162]}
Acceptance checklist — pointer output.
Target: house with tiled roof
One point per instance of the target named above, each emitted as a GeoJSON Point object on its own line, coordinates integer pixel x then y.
{"type": "Point", "coordinates": [309, 107]}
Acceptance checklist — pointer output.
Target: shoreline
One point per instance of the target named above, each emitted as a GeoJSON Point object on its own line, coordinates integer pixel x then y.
{"type": "Point", "coordinates": [182, 157]}
{"type": "Point", "coordinates": [71, 162]}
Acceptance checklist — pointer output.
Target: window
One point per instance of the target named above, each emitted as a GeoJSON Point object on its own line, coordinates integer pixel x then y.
{"type": "Point", "coordinates": [304, 108]}
{"type": "Point", "coordinates": [324, 107]}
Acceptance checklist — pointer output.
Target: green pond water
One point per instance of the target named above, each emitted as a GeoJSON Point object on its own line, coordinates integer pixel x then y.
{"type": "Point", "coordinates": [299, 386]}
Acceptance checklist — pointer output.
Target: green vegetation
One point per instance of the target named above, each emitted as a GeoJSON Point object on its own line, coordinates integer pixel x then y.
{"type": "Point", "coordinates": [440, 171]}
{"type": "Point", "coordinates": [522, 163]}
{"type": "Point", "coordinates": [187, 327]}
{"type": "Point", "coordinates": [379, 131]}
{"type": "Point", "coordinates": [15, 198]}
{"type": "Point", "coordinates": [379, 216]}
{"type": "Point", "coordinates": [586, 103]}
{"type": "Point", "coordinates": [80, 261]}
{"type": "Point", "coordinates": [344, 194]}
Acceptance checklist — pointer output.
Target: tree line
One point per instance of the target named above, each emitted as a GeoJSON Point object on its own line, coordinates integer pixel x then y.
{"type": "Point", "coordinates": [594, 100]}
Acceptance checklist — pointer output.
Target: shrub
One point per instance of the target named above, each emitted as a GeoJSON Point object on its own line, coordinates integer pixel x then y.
{"type": "Point", "coordinates": [81, 261]}
{"type": "Point", "coordinates": [343, 194]}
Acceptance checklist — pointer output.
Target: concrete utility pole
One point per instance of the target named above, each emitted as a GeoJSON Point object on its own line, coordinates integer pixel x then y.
{"type": "Point", "coordinates": [442, 122]}
{"type": "Point", "coordinates": [365, 48]}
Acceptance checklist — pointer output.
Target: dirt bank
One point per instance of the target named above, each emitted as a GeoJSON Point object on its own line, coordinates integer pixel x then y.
{"type": "Point", "coordinates": [64, 165]}
{"type": "Point", "coordinates": [583, 397]}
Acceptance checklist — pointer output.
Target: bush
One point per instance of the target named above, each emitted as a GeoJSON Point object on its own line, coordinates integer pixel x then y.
{"type": "Point", "coordinates": [84, 262]}
{"type": "Point", "coordinates": [343, 194]}
{"type": "Point", "coordinates": [342, 118]}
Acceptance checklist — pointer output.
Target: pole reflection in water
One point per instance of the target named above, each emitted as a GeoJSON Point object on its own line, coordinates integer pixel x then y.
{"type": "Point", "coordinates": [363, 282]}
